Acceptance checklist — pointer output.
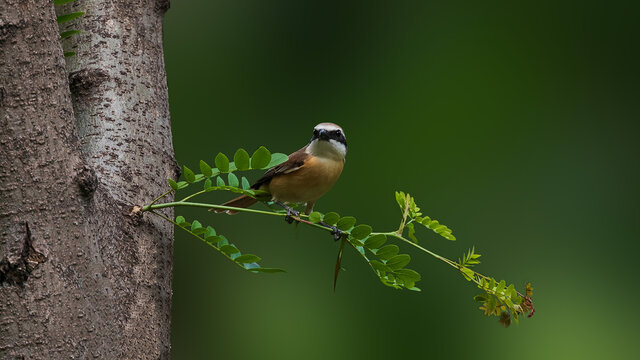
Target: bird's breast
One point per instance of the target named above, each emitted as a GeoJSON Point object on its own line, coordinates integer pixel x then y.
{"type": "Point", "coordinates": [312, 180]}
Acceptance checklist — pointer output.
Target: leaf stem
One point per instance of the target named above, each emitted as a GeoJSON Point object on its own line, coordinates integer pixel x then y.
{"type": "Point", "coordinates": [442, 258]}
{"type": "Point", "coordinates": [209, 206]}
{"type": "Point", "coordinates": [192, 195]}
{"type": "Point", "coordinates": [190, 232]}
{"type": "Point", "coordinates": [364, 256]}
{"type": "Point", "coordinates": [161, 196]}
{"type": "Point", "coordinates": [404, 217]}
{"type": "Point", "coordinates": [394, 234]}
{"type": "Point", "coordinates": [151, 207]}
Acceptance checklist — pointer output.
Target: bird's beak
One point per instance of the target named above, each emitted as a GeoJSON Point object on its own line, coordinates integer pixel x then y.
{"type": "Point", "coordinates": [323, 135]}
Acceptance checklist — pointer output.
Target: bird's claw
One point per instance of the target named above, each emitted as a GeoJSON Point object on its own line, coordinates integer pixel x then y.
{"type": "Point", "coordinates": [290, 214]}
{"type": "Point", "coordinates": [337, 233]}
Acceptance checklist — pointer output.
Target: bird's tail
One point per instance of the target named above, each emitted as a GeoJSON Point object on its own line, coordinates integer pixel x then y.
{"type": "Point", "coordinates": [241, 201]}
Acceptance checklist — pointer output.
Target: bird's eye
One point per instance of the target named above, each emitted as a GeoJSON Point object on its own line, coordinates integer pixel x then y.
{"type": "Point", "coordinates": [338, 132]}
{"type": "Point", "coordinates": [315, 132]}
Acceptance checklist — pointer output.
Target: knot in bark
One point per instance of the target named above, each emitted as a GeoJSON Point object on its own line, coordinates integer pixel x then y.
{"type": "Point", "coordinates": [83, 81]}
{"type": "Point", "coordinates": [87, 180]}
{"type": "Point", "coordinates": [17, 272]}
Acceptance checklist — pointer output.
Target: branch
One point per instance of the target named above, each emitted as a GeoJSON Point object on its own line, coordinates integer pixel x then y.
{"type": "Point", "coordinates": [384, 259]}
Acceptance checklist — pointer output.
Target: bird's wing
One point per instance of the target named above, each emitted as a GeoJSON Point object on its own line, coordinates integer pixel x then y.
{"type": "Point", "coordinates": [295, 162]}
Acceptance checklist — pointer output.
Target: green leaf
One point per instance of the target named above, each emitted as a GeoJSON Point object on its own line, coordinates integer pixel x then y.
{"type": "Point", "coordinates": [492, 283]}
{"type": "Point", "coordinates": [380, 266]}
{"type": "Point", "coordinates": [345, 223]}
{"type": "Point", "coordinates": [408, 283]}
{"type": "Point", "coordinates": [509, 303]}
{"type": "Point", "coordinates": [331, 218]}
{"type": "Point", "coordinates": [400, 199]}
{"type": "Point", "coordinates": [315, 217]}
{"type": "Point", "coordinates": [189, 175]}
{"type": "Point", "coordinates": [205, 169]}
{"type": "Point", "coordinates": [516, 298]}
{"type": "Point", "coordinates": [219, 181]}
{"type": "Point", "coordinates": [197, 228]}
{"type": "Point", "coordinates": [180, 219]}
{"type": "Point", "coordinates": [223, 241]}
{"type": "Point", "coordinates": [390, 280]}
{"type": "Point", "coordinates": [412, 232]}
{"type": "Point", "coordinates": [480, 298]}
{"type": "Point", "coordinates": [212, 239]}
{"type": "Point", "coordinates": [449, 237]}
{"type": "Point", "coordinates": [241, 159]}
{"type": "Point", "coordinates": [268, 270]}
{"type": "Point", "coordinates": [68, 33]}
{"type": "Point", "coordinates": [68, 17]}
{"type": "Point", "coordinates": [398, 261]}
{"type": "Point", "coordinates": [209, 232]}
{"type": "Point", "coordinates": [357, 243]}
{"type": "Point", "coordinates": [229, 249]}
{"type": "Point", "coordinates": [69, 54]}
{"type": "Point", "coordinates": [470, 258]}
{"type": "Point", "coordinates": [414, 210]}
{"type": "Point", "coordinates": [361, 231]}
{"type": "Point", "coordinates": [467, 273]}
{"type": "Point", "coordinates": [245, 183]}
{"type": "Point", "coordinates": [375, 241]}
{"type": "Point", "coordinates": [182, 184]}
{"type": "Point", "coordinates": [387, 252]}
{"type": "Point", "coordinates": [260, 158]}
{"type": "Point", "coordinates": [207, 184]}
{"type": "Point", "coordinates": [408, 274]}
{"type": "Point", "coordinates": [251, 266]}
{"type": "Point", "coordinates": [233, 180]}
{"type": "Point", "coordinates": [277, 159]}
{"type": "Point", "coordinates": [438, 228]}
{"type": "Point", "coordinates": [247, 258]}
{"type": "Point", "coordinates": [173, 184]}
{"type": "Point", "coordinates": [222, 162]}
{"type": "Point", "coordinates": [60, 2]}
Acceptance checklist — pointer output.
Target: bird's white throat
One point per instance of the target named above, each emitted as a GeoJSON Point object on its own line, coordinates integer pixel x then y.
{"type": "Point", "coordinates": [327, 149]}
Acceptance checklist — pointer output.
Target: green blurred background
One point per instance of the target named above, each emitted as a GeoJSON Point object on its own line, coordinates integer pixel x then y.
{"type": "Point", "coordinates": [510, 123]}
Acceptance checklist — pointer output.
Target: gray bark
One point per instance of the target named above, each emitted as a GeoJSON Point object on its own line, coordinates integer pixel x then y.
{"type": "Point", "coordinates": [79, 276]}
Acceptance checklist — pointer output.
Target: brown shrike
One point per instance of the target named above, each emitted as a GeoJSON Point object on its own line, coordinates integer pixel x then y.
{"type": "Point", "coordinates": [308, 174]}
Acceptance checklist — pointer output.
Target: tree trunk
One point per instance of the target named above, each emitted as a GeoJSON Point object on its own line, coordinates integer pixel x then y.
{"type": "Point", "coordinates": [79, 276]}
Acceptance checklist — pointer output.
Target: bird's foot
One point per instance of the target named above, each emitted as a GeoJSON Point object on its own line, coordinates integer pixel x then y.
{"type": "Point", "coordinates": [290, 214]}
{"type": "Point", "coordinates": [337, 233]}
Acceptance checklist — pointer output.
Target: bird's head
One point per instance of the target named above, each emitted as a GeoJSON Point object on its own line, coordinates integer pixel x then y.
{"type": "Point", "coordinates": [328, 141]}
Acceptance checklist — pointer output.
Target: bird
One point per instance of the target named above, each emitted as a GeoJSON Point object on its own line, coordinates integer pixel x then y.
{"type": "Point", "coordinates": [307, 175]}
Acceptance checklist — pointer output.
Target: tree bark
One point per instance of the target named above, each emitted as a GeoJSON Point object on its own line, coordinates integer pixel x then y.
{"type": "Point", "coordinates": [79, 276]}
